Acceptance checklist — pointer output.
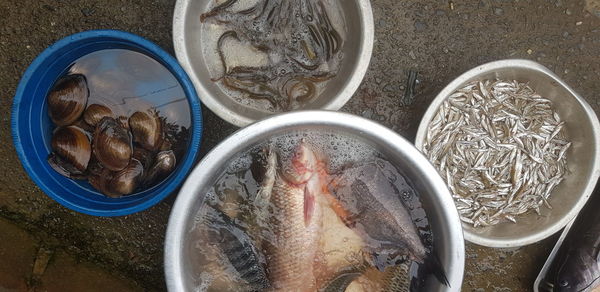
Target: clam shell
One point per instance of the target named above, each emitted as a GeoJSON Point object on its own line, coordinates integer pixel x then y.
{"type": "Point", "coordinates": [146, 128]}
{"type": "Point", "coordinates": [95, 113]}
{"type": "Point", "coordinates": [164, 164]}
{"type": "Point", "coordinates": [127, 180]}
{"type": "Point", "coordinates": [67, 99]}
{"type": "Point", "coordinates": [112, 144]}
{"type": "Point", "coordinates": [73, 148]}
{"type": "Point", "coordinates": [101, 182]}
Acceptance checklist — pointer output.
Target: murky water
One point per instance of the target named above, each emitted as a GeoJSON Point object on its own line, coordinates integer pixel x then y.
{"type": "Point", "coordinates": [271, 69]}
{"type": "Point", "coordinates": [231, 251]}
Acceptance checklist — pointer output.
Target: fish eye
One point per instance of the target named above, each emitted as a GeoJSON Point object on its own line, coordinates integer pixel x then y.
{"type": "Point", "coordinates": [563, 283]}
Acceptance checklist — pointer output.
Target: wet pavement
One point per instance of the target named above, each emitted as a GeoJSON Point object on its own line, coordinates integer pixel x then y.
{"type": "Point", "coordinates": [29, 264]}
{"type": "Point", "coordinates": [438, 38]}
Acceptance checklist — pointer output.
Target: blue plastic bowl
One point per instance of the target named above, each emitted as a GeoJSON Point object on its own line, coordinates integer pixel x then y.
{"type": "Point", "coordinates": [31, 125]}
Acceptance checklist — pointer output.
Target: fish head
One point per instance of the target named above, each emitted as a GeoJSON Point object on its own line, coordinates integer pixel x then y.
{"type": "Point", "coordinates": [302, 166]}
{"type": "Point", "coordinates": [579, 272]}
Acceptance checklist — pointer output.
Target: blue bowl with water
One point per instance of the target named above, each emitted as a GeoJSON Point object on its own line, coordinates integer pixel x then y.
{"type": "Point", "coordinates": [32, 127]}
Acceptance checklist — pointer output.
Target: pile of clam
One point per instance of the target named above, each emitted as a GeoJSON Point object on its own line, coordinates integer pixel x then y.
{"type": "Point", "coordinates": [117, 155]}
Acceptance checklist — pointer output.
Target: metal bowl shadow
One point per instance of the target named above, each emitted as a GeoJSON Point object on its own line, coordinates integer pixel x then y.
{"type": "Point", "coordinates": [357, 48]}
{"type": "Point", "coordinates": [583, 157]}
{"type": "Point", "coordinates": [442, 215]}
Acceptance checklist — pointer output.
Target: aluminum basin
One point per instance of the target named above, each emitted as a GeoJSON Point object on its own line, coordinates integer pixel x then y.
{"type": "Point", "coordinates": [583, 157]}
{"type": "Point", "coordinates": [438, 204]}
{"type": "Point", "coordinates": [357, 48]}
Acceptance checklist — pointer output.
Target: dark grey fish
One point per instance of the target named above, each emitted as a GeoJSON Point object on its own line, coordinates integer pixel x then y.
{"type": "Point", "coordinates": [379, 215]}
{"type": "Point", "coordinates": [239, 250]}
{"type": "Point", "coordinates": [369, 195]}
{"type": "Point", "coordinates": [577, 266]}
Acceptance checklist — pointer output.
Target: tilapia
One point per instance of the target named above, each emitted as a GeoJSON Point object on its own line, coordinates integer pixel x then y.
{"type": "Point", "coordinates": [368, 199]}
{"type": "Point", "coordinates": [342, 252]}
{"type": "Point", "coordinates": [238, 257]}
{"type": "Point", "coordinates": [290, 219]}
{"type": "Point", "coordinates": [375, 211]}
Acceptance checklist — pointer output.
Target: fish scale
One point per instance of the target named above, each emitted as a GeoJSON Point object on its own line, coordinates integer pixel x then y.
{"type": "Point", "coordinates": [296, 244]}
{"type": "Point", "coordinates": [291, 254]}
{"type": "Point", "coordinates": [237, 249]}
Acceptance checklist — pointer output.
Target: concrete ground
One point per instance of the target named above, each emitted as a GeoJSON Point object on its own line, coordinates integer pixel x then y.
{"type": "Point", "coordinates": [440, 39]}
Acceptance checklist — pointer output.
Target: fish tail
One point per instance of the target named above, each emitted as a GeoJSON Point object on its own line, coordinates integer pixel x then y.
{"type": "Point", "coordinates": [433, 265]}
{"type": "Point", "coordinates": [336, 205]}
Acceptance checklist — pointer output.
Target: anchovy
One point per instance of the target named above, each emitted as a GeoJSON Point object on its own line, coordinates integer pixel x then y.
{"type": "Point", "coordinates": [499, 133]}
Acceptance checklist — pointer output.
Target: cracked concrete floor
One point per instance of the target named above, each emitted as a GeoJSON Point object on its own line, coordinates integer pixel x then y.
{"type": "Point", "coordinates": [440, 39]}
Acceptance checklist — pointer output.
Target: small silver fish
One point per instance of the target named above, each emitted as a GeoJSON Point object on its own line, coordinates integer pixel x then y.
{"type": "Point", "coordinates": [500, 134]}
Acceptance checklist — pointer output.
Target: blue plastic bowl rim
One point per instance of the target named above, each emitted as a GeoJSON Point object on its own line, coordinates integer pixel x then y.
{"type": "Point", "coordinates": [160, 55]}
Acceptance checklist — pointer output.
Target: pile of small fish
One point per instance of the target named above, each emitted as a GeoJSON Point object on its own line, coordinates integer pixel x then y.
{"type": "Point", "coordinates": [116, 154]}
{"type": "Point", "coordinates": [501, 148]}
{"type": "Point", "coordinates": [307, 231]}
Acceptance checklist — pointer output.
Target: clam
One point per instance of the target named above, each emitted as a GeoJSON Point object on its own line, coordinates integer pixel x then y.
{"type": "Point", "coordinates": [95, 167]}
{"type": "Point", "coordinates": [84, 126]}
{"type": "Point", "coordinates": [143, 156]}
{"type": "Point", "coordinates": [112, 144]}
{"type": "Point", "coordinates": [95, 113]}
{"type": "Point", "coordinates": [67, 99]}
{"type": "Point", "coordinates": [127, 180]}
{"type": "Point", "coordinates": [163, 165]}
{"type": "Point", "coordinates": [101, 182]}
{"type": "Point", "coordinates": [116, 184]}
{"type": "Point", "coordinates": [71, 151]}
{"type": "Point", "coordinates": [146, 128]}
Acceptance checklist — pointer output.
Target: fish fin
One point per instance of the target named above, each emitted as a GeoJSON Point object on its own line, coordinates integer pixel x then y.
{"type": "Point", "coordinates": [346, 216]}
{"type": "Point", "coordinates": [379, 261]}
{"type": "Point", "coordinates": [309, 205]}
{"type": "Point", "coordinates": [433, 265]}
{"type": "Point", "coordinates": [341, 282]}
{"type": "Point", "coordinates": [268, 178]}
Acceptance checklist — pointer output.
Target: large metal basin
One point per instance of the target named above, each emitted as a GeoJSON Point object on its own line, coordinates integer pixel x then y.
{"type": "Point", "coordinates": [439, 206]}
{"type": "Point", "coordinates": [583, 157]}
{"type": "Point", "coordinates": [357, 48]}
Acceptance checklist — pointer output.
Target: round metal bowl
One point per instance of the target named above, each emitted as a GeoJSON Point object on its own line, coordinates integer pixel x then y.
{"type": "Point", "coordinates": [583, 157]}
{"type": "Point", "coordinates": [357, 48]}
{"type": "Point", "coordinates": [441, 212]}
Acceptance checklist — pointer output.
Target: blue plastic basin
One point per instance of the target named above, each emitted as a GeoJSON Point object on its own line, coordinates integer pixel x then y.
{"type": "Point", "coordinates": [32, 128]}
